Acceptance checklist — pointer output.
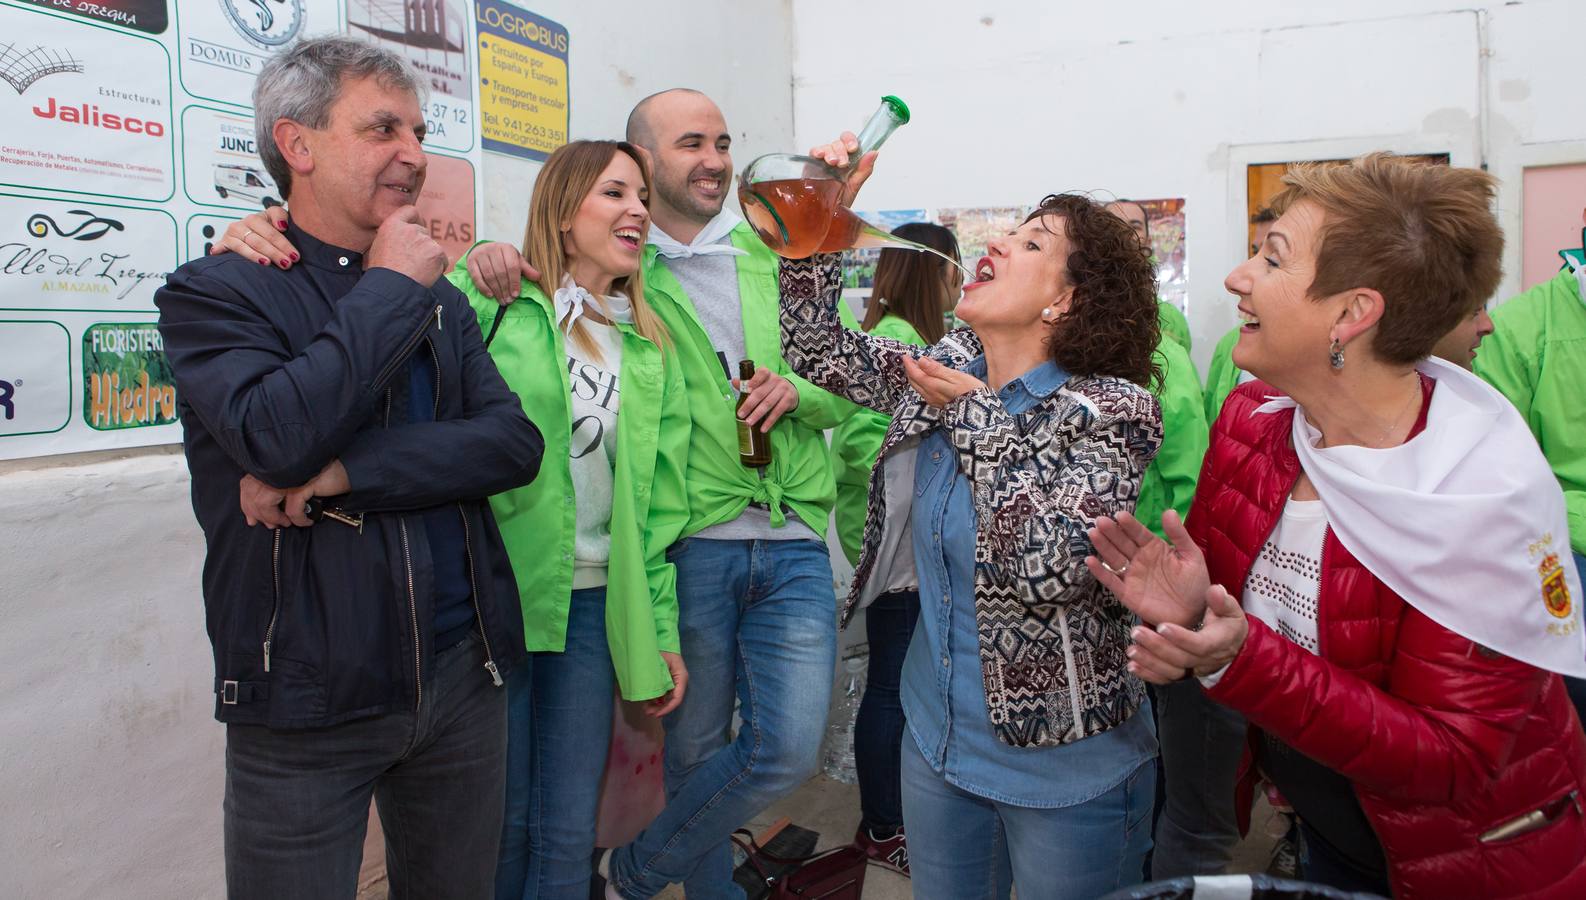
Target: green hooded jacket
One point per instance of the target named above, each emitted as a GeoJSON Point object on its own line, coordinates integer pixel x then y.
{"type": "Point", "coordinates": [1173, 324]}
{"type": "Point", "coordinates": [719, 486]}
{"type": "Point", "coordinates": [649, 505]}
{"type": "Point", "coordinates": [1222, 376]}
{"type": "Point", "coordinates": [1536, 356]}
{"type": "Point", "coordinates": [855, 442]}
{"type": "Point", "coordinates": [1170, 479]}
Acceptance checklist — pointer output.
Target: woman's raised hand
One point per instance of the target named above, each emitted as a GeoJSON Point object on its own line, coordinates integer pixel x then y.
{"type": "Point", "coordinates": [938, 385]}
{"type": "Point", "coordinates": [495, 269]}
{"type": "Point", "coordinates": [1160, 582]}
{"type": "Point", "coordinates": [837, 154]}
{"type": "Point", "coordinates": [258, 237]}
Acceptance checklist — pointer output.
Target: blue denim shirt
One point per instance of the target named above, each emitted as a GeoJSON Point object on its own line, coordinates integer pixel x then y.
{"type": "Point", "coordinates": [944, 699]}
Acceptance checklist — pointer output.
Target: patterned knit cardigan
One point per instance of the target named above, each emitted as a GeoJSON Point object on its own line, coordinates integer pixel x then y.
{"type": "Point", "coordinates": [1051, 638]}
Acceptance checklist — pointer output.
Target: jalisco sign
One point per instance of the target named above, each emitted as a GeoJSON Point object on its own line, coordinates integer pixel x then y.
{"type": "Point", "coordinates": [83, 120]}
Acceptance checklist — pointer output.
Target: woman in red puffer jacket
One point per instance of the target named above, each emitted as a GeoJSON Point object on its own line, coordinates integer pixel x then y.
{"type": "Point", "coordinates": [1376, 570]}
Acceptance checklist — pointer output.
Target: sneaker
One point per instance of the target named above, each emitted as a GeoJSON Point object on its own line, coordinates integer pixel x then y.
{"type": "Point", "coordinates": [889, 852]}
{"type": "Point", "coordinates": [1285, 859]}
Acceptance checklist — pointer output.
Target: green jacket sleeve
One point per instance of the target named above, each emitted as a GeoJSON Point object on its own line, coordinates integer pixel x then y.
{"type": "Point", "coordinates": [1173, 324]}
{"type": "Point", "coordinates": [854, 446]}
{"type": "Point", "coordinates": [1170, 481]}
{"type": "Point", "coordinates": [1507, 360]}
{"type": "Point", "coordinates": [1511, 359]}
{"type": "Point", "coordinates": [817, 409]}
{"type": "Point", "coordinates": [1222, 376]}
{"type": "Point", "coordinates": [669, 510]}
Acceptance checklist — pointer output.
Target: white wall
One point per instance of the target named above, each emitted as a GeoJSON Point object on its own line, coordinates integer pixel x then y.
{"type": "Point", "coordinates": [740, 53]}
{"type": "Point", "coordinates": [111, 758]}
{"type": "Point", "coordinates": [1012, 100]}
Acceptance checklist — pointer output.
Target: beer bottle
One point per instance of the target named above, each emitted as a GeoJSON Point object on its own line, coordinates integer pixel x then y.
{"type": "Point", "coordinates": [754, 445]}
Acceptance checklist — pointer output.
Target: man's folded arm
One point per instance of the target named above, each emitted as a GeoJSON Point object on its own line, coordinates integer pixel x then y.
{"type": "Point", "coordinates": [282, 416]}
{"type": "Point", "coordinates": [492, 448]}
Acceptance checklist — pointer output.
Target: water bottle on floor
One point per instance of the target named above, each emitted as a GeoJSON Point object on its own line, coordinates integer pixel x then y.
{"type": "Point", "coordinates": [837, 754]}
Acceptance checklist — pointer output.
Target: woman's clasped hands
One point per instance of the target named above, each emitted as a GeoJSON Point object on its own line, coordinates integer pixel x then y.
{"type": "Point", "coordinates": [1188, 625]}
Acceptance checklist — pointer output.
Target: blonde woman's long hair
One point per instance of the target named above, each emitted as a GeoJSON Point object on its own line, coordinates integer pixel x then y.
{"type": "Point", "coordinates": [565, 181]}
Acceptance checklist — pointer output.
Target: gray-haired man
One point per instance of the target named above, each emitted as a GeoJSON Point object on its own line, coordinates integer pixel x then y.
{"type": "Point", "coordinates": [360, 604]}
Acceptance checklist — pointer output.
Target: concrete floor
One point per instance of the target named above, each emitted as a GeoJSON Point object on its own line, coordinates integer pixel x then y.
{"type": "Point", "coordinates": [832, 808]}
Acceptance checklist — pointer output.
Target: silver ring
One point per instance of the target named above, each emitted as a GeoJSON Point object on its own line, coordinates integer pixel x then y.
{"type": "Point", "coordinates": [1118, 572]}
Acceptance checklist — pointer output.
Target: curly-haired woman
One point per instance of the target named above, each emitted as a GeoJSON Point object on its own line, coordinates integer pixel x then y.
{"type": "Point", "coordinates": [1030, 758]}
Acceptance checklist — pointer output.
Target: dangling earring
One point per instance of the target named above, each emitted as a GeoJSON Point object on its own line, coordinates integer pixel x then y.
{"type": "Point", "coordinates": [1335, 354]}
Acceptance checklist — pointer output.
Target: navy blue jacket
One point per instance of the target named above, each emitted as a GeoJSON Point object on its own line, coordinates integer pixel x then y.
{"type": "Point", "coordinates": [280, 372]}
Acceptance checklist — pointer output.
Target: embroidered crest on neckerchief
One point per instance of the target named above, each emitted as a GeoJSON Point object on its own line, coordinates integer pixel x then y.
{"type": "Point", "coordinates": [1555, 590]}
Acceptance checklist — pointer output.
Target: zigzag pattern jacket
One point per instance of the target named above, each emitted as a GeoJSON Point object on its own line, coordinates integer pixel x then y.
{"type": "Point", "coordinates": [1051, 638]}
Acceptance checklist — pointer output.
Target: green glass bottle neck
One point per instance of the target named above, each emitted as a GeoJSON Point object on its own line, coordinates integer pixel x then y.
{"type": "Point", "coordinates": [891, 114]}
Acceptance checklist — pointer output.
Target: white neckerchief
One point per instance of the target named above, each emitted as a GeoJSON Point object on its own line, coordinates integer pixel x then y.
{"type": "Point", "coordinates": [706, 243]}
{"type": "Point", "coordinates": [1466, 522]}
{"type": "Point", "coordinates": [570, 300]}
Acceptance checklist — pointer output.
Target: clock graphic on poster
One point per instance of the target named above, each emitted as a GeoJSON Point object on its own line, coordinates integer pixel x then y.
{"type": "Point", "coordinates": [270, 24]}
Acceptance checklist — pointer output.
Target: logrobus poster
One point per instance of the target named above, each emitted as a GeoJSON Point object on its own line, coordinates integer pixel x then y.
{"type": "Point", "coordinates": [131, 148]}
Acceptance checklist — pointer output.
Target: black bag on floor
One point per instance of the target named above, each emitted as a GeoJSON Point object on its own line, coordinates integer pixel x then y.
{"type": "Point", "coordinates": [836, 874]}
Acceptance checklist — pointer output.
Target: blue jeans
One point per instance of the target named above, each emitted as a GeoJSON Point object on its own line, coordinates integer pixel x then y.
{"type": "Point", "coordinates": [1202, 743]}
{"type": "Point", "coordinates": [297, 802]}
{"type": "Point", "coordinates": [558, 732]}
{"type": "Point", "coordinates": [889, 625]}
{"type": "Point", "coordinates": [757, 620]}
{"type": "Point", "coordinates": [966, 847]}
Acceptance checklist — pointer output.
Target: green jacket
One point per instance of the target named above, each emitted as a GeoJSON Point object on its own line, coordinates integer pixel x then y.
{"type": "Point", "coordinates": [720, 487]}
{"type": "Point", "coordinates": [1536, 356]}
{"type": "Point", "coordinates": [649, 497]}
{"type": "Point", "coordinates": [1173, 324]}
{"type": "Point", "coordinates": [1222, 376]}
{"type": "Point", "coordinates": [855, 442]}
{"type": "Point", "coordinates": [1170, 479]}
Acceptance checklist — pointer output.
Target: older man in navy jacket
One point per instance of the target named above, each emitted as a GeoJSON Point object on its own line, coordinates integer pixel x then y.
{"type": "Point", "coordinates": [343, 424]}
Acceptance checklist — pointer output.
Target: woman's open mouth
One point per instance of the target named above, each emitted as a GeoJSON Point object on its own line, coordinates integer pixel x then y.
{"type": "Point", "coordinates": [628, 237]}
{"type": "Point", "coordinates": [985, 273]}
{"type": "Point", "coordinates": [1251, 322]}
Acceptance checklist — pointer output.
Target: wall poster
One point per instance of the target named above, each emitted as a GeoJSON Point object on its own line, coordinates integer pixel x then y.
{"type": "Point", "coordinates": [523, 93]}
{"type": "Point", "coordinates": [130, 149]}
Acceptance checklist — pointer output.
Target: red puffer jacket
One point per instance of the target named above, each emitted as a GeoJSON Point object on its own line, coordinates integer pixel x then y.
{"type": "Point", "coordinates": [1444, 740]}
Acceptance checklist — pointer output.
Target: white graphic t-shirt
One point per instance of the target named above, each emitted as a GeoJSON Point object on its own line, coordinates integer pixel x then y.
{"type": "Point", "coordinates": [1286, 578]}
{"type": "Point", "coordinates": [593, 448]}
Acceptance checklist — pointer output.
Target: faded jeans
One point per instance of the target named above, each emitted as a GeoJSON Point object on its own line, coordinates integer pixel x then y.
{"type": "Point", "coordinates": [757, 621]}
{"type": "Point", "coordinates": [967, 847]}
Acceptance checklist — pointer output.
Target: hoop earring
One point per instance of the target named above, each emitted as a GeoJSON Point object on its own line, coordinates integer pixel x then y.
{"type": "Point", "coordinates": [1335, 354]}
